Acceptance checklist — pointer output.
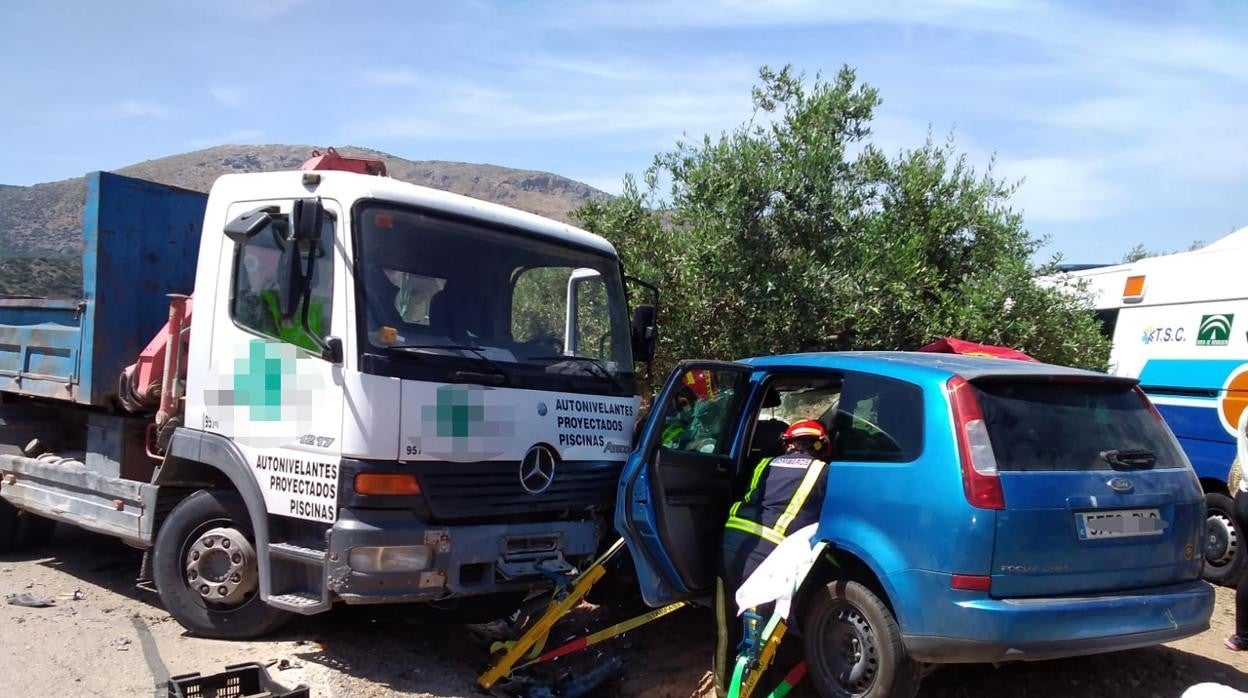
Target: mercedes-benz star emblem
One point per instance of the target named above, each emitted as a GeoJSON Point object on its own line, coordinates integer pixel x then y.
{"type": "Point", "coordinates": [537, 470]}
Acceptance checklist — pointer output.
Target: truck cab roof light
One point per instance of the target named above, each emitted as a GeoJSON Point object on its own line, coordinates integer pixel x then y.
{"type": "Point", "coordinates": [1133, 289]}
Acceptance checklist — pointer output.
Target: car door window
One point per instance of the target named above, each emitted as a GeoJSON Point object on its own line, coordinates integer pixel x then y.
{"type": "Point", "coordinates": [877, 419]}
{"type": "Point", "coordinates": [699, 416]}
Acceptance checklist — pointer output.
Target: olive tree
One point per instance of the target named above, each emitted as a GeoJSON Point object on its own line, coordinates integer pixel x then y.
{"type": "Point", "coordinates": [795, 232]}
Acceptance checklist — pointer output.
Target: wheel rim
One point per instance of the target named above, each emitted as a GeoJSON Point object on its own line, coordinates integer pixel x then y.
{"type": "Point", "coordinates": [1221, 539]}
{"type": "Point", "coordinates": [219, 565]}
{"type": "Point", "coordinates": [848, 651]}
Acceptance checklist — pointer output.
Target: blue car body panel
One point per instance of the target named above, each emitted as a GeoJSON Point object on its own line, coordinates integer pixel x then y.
{"type": "Point", "coordinates": [911, 525]}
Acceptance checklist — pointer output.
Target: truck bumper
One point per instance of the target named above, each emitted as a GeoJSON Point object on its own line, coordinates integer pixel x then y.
{"type": "Point", "coordinates": [462, 560]}
{"type": "Point", "coordinates": [984, 629]}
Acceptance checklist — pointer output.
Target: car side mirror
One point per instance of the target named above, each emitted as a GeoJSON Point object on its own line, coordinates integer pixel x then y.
{"type": "Point", "coordinates": [645, 333]}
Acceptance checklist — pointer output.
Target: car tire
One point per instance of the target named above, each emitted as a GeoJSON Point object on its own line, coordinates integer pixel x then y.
{"type": "Point", "coordinates": [853, 645]}
{"type": "Point", "coordinates": [193, 520]}
{"type": "Point", "coordinates": [1224, 549]}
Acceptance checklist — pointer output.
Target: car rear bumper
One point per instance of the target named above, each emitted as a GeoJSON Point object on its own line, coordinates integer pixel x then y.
{"type": "Point", "coordinates": [984, 629]}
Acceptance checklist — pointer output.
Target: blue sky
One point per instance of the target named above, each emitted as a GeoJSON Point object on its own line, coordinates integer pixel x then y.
{"type": "Point", "coordinates": [1126, 120]}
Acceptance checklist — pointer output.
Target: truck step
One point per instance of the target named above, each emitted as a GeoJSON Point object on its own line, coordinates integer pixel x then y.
{"type": "Point", "coordinates": [297, 553]}
{"type": "Point", "coordinates": [298, 602]}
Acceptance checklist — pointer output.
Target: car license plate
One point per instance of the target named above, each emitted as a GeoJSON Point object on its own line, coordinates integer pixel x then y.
{"type": "Point", "coordinates": [1122, 523]}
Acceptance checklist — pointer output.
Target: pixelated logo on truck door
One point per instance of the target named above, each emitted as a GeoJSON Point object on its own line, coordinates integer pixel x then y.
{"type": "Point", "coordinates": [1215, 330]}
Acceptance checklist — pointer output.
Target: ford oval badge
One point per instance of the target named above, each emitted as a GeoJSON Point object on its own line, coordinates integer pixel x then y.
{"type": "Point", "coordinates": [1119, 484]}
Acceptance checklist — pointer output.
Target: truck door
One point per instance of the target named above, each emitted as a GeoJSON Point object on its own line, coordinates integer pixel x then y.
{"type": "Point", "coordinates": [676, 488]}
{"type": "Point", "coordinates": [268, 388]}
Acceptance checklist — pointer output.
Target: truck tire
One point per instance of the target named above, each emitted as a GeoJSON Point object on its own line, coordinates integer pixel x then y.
{"type": "Point", "coordinates": [206, 569]}
{"type": "Point", "coordinates": [34, 531]}
{"type": "Point", "coordinates": [10, 524]}
{"type": "Point", "coordinates": [1225, 556]}
{"type": "Point", "coordinates": [21, 530]}
{"type": "Point", "coordinates": [853, 645]}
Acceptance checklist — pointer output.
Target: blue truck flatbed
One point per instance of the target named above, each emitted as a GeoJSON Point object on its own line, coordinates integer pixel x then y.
{"type": "Point", "coordinates": [140, 242]}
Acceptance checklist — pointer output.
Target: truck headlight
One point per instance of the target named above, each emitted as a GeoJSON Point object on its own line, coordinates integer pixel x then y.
{"type": "Point", "coordinates": [390, 558]}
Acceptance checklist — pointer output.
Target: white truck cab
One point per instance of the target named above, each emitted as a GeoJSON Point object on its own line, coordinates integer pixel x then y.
{"type": "Point", "coordinates": [392, 393]}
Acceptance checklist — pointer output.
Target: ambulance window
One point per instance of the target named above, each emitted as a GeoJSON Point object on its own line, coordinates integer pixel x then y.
{"type": "Point", "coordinates": [1109, 321]}
{"type": "Point", "coordinates": [254, 285]}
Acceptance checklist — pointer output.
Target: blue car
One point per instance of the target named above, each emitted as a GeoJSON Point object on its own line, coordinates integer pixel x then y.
{"type": "Point", "coordinates": [977, 509]}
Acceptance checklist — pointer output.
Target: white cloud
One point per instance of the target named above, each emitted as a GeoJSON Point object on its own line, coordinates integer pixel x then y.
{"type": "Point", "coordinates": [246, 135]}
{"type": "Point", "coordinates": [228, 95]}
{"type": "Point", "coordinates": [1059, 189]}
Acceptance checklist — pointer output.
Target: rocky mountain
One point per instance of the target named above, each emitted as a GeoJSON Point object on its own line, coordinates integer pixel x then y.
{"type": "Point", "coordinates": [41, 225]}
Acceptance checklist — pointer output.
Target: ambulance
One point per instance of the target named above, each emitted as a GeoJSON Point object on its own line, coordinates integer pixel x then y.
{"type": "Point", "coordinates": [1179, 323]}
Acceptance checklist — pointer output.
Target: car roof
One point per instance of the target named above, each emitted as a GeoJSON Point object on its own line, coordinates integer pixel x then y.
{"type": "Point", "coordinates": [928, 364]}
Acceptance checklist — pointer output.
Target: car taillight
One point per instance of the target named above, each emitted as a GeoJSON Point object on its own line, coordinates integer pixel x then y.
{"type": "Point", "coordinates": [979, 464]}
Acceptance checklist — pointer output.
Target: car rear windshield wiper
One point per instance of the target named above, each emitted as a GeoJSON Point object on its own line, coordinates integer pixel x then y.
{"type": "Point", "coordinates": [476, 354]}
{"type": "Point", "coordinates": [1130, 458]}
{"type": "Point", "coordinates": [588, 360]}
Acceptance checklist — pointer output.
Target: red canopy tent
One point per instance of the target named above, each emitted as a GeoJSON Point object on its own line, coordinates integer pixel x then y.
{"type": "Point", "coordinates": [950, 345]}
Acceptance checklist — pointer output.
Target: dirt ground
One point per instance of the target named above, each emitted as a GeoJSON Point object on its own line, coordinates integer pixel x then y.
{"type": "Point", "coordinates": [116, 640]}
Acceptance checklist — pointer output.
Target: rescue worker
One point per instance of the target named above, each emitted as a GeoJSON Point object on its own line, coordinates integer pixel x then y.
{"type": "Point", "coordinates": [785, 494]}
{"type": "Point", "coordinates": [675, 430]}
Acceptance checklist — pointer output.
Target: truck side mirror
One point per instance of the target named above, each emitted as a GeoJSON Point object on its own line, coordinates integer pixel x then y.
{"type": "Point", "coordinates": [306, 219]}
{"type": "Point", "coordinates": [645, 334]}
{"type": "Point", "coordinates": [246, 226]}
{"type": "Point", "coordinates": [290, 281]}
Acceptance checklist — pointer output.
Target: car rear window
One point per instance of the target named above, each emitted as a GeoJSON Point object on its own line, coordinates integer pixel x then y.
{"type": "Point", "coordinates": [1047, 425]}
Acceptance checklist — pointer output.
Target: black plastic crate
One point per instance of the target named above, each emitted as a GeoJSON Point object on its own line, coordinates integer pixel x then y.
{"type": "Point", "coordinates": [237, 681]}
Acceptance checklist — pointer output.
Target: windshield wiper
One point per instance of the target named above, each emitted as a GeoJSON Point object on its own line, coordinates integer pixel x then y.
{"type": "Point", "coordinates": [1130, 458]}
{"type": "Point", "coordinates": [589, 360]}
{"type": "Point", "coordinates": [476, 354]}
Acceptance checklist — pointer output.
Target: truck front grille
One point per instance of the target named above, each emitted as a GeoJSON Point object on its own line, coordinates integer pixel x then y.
{"type": "Point", "coordinates": [486, 490]}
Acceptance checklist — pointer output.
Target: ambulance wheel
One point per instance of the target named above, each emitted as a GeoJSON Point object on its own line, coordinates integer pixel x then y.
{"type": "Point", "coordinates": [1225, 557]}
{"type": "Point", "coordinates": [853, 645]}
{"type": "Point", "coordinates": [206, 569]}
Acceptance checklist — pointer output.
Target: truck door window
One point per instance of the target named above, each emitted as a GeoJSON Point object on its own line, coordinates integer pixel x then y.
{"type": "Point", "coordinates": [700, 416]}
{"type": "Point", "coordinates": [877, 419]}
{"type": "Point", "coordinates": [254, 284]}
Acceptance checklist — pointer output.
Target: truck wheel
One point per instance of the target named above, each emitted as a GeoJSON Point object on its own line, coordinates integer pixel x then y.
{"type": "Point", "coordinates": [853, 645]}
{"type": "Point", "coordinates": [34, 531]}
{"type": "Point", "coordinates": [206, 569]}
{"type": "Point", "coordinates": [1225, 557]}
{"type": "Point", "coordinates": [10, 524]}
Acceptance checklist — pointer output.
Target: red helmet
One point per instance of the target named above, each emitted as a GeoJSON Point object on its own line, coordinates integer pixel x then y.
{"type": "Point", "coordinates": [805, 429]}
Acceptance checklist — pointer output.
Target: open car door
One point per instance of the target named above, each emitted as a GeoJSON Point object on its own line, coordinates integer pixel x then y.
{"type": "Point", "coordinates": [674, 492]}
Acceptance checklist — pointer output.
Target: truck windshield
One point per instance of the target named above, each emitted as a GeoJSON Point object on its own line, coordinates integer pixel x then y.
{"type": "Point", "coordinates": [445, 298]}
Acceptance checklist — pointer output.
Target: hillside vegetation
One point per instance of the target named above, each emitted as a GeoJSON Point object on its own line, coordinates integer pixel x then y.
{"type": "Point", "coordinates": [41, 225]}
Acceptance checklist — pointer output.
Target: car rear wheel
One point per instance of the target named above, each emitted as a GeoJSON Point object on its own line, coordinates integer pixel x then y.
{"type": "Point", "coordinates": [1224, 542]}
{"type": "Point", "coordinates": [853, 645]}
